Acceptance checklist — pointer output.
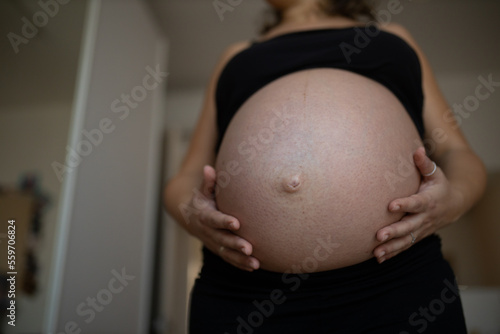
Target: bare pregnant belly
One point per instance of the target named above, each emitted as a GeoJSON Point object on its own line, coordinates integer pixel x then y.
{"type": "Point", "coordinates": [309, 165]}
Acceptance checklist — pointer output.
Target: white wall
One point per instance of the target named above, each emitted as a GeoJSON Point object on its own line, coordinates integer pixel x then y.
{"type": "Point", "coordinates": [31, 138]}
{"type": "Point", "coordinates": [183, 107]}
{"type": "Point", "coordinates": [180, 257]}
{"type": "Point", "coordinates": [103, 260]}
{"type": "Point", "coordinates": [37, 86]}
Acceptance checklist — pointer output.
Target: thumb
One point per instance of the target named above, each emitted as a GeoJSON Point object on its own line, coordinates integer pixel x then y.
{"type": "Point", "coordinates": [208, 183]}
{"type": "Point", "coordinates": [424, 164]}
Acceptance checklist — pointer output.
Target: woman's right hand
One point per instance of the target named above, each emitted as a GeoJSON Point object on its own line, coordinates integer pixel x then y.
{"type": "Point", "coordinates": [215, 229]}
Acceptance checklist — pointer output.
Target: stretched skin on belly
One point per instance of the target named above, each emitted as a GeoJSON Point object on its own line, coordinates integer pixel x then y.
{"type": "Point", "coordinates": [309, 164]}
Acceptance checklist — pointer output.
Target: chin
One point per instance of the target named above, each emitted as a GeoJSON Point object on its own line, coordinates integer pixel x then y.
{"type": "Point", "coordinates": [280, 4]}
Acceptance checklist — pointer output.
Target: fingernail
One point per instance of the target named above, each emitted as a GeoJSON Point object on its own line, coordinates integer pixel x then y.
{"type": "Point", "coordinates": [381, 260]}
{"type": "Point", "coordinates": [381, 254]}
{"type": "Point", "coordinates": [245, 251]}
{"type": "Point", "coordinates": [232, 225]}
{"type": "Point", "coordinates": [385, 237]}
{"type": "Point", "coordinates": [254, 265]}
{"type": "Point", "coordinates": [396, 208]}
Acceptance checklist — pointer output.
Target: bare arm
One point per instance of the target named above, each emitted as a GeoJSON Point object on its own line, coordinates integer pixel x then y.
{"type": "Point", "coordinates": [456, 186]}
{"type": "Point", "coordinates": [201, 151]}
{"type": "Point", "coordinates": [188, 196]}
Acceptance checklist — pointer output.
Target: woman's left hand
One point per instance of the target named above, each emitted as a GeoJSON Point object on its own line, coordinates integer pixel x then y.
{"type": "Point", "coordinates": [432, 207]}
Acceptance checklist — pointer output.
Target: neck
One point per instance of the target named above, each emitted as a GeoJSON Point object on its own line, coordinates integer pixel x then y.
{"type": "Point", "coordinates": [307, 15]}
{"type": "Point", "coordinates": [303, 12]}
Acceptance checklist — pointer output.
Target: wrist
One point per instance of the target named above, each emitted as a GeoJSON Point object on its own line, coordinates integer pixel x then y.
{"type": "Point", "coordinates": [457, 205]}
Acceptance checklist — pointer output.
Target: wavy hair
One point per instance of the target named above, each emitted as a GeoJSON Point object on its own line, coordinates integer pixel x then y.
{"type": "Point", "coordinates": [352, 9]}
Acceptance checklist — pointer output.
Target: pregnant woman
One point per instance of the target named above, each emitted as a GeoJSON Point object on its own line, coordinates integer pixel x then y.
{"type": "Point", "coordinates": [308, 184]}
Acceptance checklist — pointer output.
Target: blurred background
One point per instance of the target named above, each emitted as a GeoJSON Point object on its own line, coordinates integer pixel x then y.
{"type": "Point", "coordinates": [98, 100]}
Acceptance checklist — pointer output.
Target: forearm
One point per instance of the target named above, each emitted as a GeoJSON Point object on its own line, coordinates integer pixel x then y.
{"type": "Point", "coordinates": [177, 197]}
{"type": "Point", "coordinates": [467, 176]}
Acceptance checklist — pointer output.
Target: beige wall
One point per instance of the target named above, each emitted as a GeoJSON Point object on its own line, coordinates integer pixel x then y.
{"type": "Point", "coordinates": [468, 243]}
{"type": "Point", "coordinates": [471, 245]}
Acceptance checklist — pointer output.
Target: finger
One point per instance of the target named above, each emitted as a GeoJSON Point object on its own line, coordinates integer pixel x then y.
{"type": "Point", "coordinates": [209, 178]}
{"type": "Point", "coordinates": [400, 245]}
{"type": "Point", "coordinates": [231, 241]}
{"type": "Point", "coordinates": [235, 258]}
{"type": "Point", "coordinates": [218, 220]}
{"type": "Point", "coordinates": [415, 203]}
{"type": "Point", "coordinates": [401, 228]}
{"type": "Point", "coordinates": [239, 260]}
{"type": "Point", "coordinates": [393, 247]}
{"type": "Point", "coordinates": [424, 164]}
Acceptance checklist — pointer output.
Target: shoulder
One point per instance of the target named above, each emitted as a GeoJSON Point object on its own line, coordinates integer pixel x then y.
{"type": "Point", "coordinates": [396, 29]}
{"type": "Point", "coordinates": [232, 50]}
{"type": "Point", "coordinates": [403, 33]}
{"type": "Point", "coordinates": [224, 58]}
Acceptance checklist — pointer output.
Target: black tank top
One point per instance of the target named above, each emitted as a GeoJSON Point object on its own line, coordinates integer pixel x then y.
{"type": "Point", "coordinates": [381, 56]}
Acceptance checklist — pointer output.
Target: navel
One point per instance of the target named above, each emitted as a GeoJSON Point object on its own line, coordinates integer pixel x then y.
{"type": "Point", "coordinates": [292, 183]}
